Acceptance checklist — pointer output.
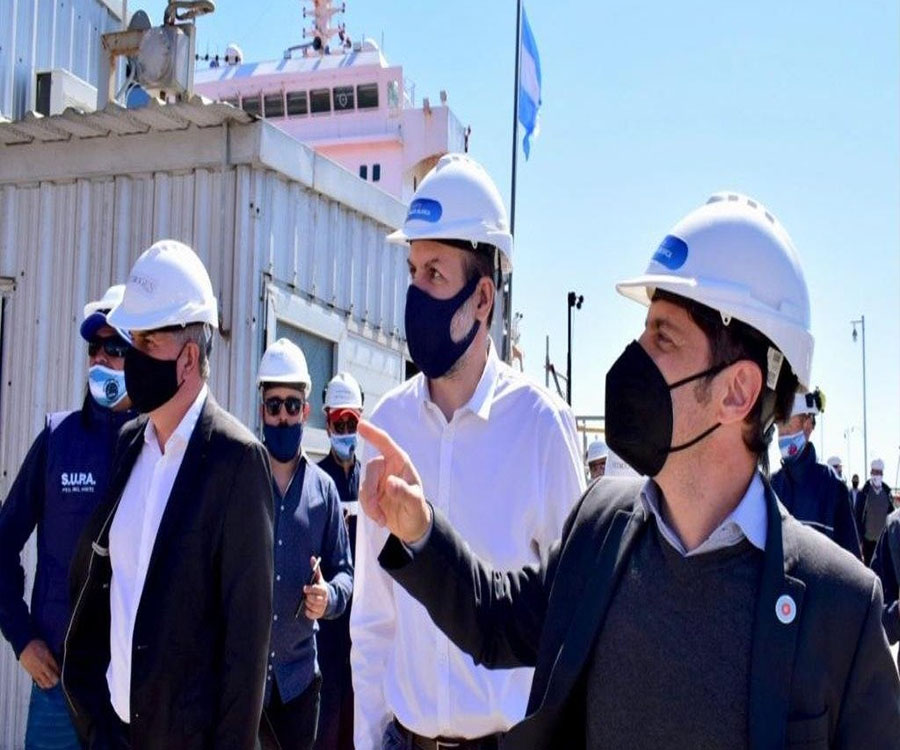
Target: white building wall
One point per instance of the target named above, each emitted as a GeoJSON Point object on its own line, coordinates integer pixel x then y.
{"type": "Point", "coordinates": [310, 231]}
{"type": "Point", "coordinates": [37, 35]}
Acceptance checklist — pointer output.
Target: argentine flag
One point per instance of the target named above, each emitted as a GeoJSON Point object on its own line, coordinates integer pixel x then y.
{"type": "Point", "coordinates": [529, 84]}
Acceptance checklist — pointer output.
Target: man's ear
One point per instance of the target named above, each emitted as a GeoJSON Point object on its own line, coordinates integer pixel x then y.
{"type": "Point", "coordinates": [742, 386]}
{"type": "Point", "coordinates": [484, 298]}
{"type": "Point", "coordinates": [190, 358]}
{"type": "Point", "coordinates": [305, 414]}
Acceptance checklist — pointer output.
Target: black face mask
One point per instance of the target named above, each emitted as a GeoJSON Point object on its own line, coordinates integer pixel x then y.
{"type": "Point", "coordinates": [639, 417]}
{"type": "Point", "coordinates": [428, 329]}
{"type": "Point", "coordinates": [149, 381]}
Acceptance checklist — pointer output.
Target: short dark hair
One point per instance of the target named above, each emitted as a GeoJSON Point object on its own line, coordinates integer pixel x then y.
{"type": "Point", "coordinates": [733, 342]}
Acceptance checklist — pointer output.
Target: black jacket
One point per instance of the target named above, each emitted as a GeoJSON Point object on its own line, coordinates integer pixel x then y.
{"type": "Point", "coordinates": [202, 628]}
{"type": "Point", "coordinates": [824, 680]}
{"type": "Point", "coordinates": [814, 495]}
{"type": "Point", "coordinates": [886, 564]}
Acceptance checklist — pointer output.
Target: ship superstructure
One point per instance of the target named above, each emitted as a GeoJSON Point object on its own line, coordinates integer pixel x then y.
{"type": "Point", "coordinates": [342, 98]}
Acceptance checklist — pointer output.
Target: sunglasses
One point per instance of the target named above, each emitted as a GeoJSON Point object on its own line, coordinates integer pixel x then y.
{"type": "Point", "coordinates": [346, 426]}
{"type": "Point", "coordinates": [112, 345]}
{"type": "Point", "coordinates": [292, 405]}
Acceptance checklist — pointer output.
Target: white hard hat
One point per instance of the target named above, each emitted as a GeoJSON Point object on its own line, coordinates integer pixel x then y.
{"type": "Point", "coordinates": [110, 299]}
{"type": "Point", "coordinates": [808, 403]}
{"type": "Point", "coordinates": [596, 451]}
{"type": "Point", "coordinates": [835, 461]}
{"type": "Point", "coordinates": [168, 285]}
{"type": "Point", "coordinates": [284, 362]}
{"type": "Point", "coordinates": [877, 465]}
{"type": "Point", "coordinates": [457, 200]}
{"type": "Point", "coordinates": [732, 255]}
{"type": "Point", "coordinates": [95, 313]}
{"type": "Point", "coordinates": [343, 392]}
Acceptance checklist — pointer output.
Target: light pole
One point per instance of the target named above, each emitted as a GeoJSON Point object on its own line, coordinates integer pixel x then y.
{"type": "Point", "coordinates": [574, 300]}
{"type": "Point", "coordinates": [862, 324]}
{"type": "Point", "coordinates": [847, 433]}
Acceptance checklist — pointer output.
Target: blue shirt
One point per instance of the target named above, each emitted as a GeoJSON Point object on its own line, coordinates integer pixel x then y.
{"type": "Point", "coordinates": [59, 485]}
{"type": "Point", "coordinates": [308, 522]}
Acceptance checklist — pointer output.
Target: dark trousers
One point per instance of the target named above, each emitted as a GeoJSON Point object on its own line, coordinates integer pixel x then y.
{"type": "Point", "coordinates": [294, 723]}
{"type": "Point", "coordinates": [336, 711]}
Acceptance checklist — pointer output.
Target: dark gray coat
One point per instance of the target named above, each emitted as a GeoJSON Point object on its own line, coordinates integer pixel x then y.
{"type": "Point", "coordinates": [202, 629]}
{"type": "Point", "coordinates": [825, 680]}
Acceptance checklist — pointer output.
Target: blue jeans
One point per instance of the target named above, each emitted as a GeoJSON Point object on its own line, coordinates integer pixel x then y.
{"type": "Point", "coordinates": [49, 725]}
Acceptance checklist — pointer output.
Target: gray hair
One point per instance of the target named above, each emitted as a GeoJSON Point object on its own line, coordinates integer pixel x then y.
{"type": "Point", "coordinates": [201, 335]}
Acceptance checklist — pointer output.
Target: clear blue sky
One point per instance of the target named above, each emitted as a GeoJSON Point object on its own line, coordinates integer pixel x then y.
{"type": "Point", "coordinates": [648, 108]}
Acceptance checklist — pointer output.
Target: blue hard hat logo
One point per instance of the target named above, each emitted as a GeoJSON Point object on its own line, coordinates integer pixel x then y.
{"type": "Point", "coordinates": [671, 253]}
{"type": "Point", "coordinates": [424, 209]}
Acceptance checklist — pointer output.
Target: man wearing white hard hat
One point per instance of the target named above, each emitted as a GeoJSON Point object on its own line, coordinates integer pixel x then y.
{"type": "Point", "coordinates": [343, 405]}
{"type": "Point", "coordinates": [809, 490]}
{"type": "Point", "coordinates": [689, 609]}
{"type": "Point", "coordinates": [313, 560]}
{"type": "Point", "coordinates": [172, 580]}
{"type": "Point", "coordinates": [60, 483]}
{"type": "Point", "coordinates": [497, 453]}
{"type": "Point", "coordinates": [872, 508]}
{"type": "Point", "coordinates": [837, 466]}
{"type": "Point", "coordinates": [597, 454]}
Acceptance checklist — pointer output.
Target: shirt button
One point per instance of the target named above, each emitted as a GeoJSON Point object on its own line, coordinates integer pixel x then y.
{"type": "Point", "coordinates": [270, 667]}
{"type": "Point", "coordinates": [277, 577]}
{"type": "Point", "coordinates": [282, 507]}
{"type": "Point", "coordinates": [269, 678]}
{"type": "Point", "coordinates": [273, 654]}
{"type": "Point", "coordinates": [274, 617]}
{"type": "Point", "coordinates": [279, 542]}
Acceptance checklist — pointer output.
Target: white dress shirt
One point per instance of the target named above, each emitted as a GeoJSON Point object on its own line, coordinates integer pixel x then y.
{"type": "Point", "coordinates": [506, 470]}
{"type": "Point", "coordinates": [131, 539]}
{"type": "Point", "coordinates": [747, 521]}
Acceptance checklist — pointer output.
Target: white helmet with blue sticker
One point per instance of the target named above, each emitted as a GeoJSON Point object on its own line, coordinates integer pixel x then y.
{"type": "Point", "coordinates": [457, 200]}
{"type": "Point", "coordinates": [732, 255]}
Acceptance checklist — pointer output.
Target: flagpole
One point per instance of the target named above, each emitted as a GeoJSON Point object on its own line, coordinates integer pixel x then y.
{"type": "Point", "coordinates": [512, 195]}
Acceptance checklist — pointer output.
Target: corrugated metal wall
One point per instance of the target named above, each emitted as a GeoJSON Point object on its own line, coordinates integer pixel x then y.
{"type": "Point", "coordinates": [64, 242]}
{"type": "Point", "coordinates": [39, 35]}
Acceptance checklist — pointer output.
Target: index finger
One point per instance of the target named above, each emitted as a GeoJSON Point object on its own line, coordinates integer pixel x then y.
{"type": "Point", "coordinates": [380, 440]}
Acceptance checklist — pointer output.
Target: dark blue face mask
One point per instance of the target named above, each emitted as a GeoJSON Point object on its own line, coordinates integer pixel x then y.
{"type": "Point", "coordinates": [283, 440]}
{"type": "Point", "coordinates": [428, 320]}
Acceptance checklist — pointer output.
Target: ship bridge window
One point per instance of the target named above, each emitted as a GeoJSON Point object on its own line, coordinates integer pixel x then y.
{"type": "Point", "coordinates": [274, 105]}
{"type": "Point", "coordinates": [376, 172]}
{"type": "Point", "coordinates": [367, 96]}
{"type": "Point", "coordinates": [364, 171]}
{"type": "Point", "coordinates": [296, 103]}
{"type": "Point", "coordinates": [343, 98]}
{"type": "Point", "coordinates": [319, 101]}
{"type": "Point", "coordinates": [251, 105]}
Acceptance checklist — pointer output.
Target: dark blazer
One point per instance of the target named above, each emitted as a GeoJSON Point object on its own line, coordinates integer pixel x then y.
{"type": "Point", "coordinates": [202, 628]}
{"type": "Point", "coordinates": [886, 565]}
{"type": "Point", "coordinates": [825, 680]}
{"type": "Point", "coordinates": [814, 495]}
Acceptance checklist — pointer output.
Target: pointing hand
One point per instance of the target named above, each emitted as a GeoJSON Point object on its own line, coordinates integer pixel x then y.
{"type": "Point", "coordinates": [392, 494]}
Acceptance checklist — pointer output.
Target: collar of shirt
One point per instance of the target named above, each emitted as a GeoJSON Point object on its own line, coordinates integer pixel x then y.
{"type": "Point", "coordinates": [746, 521]}
{"type": "Point", "coordinates": [480, 402]}
{"type": "Point", "coordinates": [178, 440]}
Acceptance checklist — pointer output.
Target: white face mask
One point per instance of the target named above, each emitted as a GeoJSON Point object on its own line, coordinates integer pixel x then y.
{"type": "Point", "coordinates": [876, 482]}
